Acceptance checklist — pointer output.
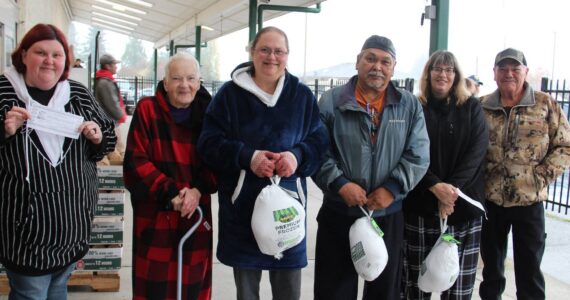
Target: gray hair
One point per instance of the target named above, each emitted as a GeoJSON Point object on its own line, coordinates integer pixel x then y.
{"type": "Point", "coordinates": [181, 56]}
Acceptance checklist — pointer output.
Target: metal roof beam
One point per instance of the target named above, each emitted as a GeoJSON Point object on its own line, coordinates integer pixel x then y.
{"type": "Point", "coordinates": [214, 11]}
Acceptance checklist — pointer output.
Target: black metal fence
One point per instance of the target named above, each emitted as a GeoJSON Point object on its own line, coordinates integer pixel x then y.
{"type": "Point", "coordinates": [213, 86]}
{"type": "Point", "coordinates": [134, 88]}
{"type": "Point", "coordinates": [319, 86]}
{"type": "Point", "coordinates": [558, 191]}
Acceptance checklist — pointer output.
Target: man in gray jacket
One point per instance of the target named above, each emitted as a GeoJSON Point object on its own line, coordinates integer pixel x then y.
{"type": "Point", "coordinates": [108, 95]}
{"type": "Point", "coordinates": [106, 89]}
{"type": "Point", "coordinates": [379, 150]}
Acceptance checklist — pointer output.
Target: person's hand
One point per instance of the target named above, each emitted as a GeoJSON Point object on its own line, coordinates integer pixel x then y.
{"type": "Point", "coordinates": [176, 203]}
{"type": "Point", "coordinates": [286, 164]}
{"type": "Point", "coordinates": [353, 194]}
{"type": "Point", "coordinates": [15, 118]}
{"type": "Point", "coordinates": [91, 131]}
{"type": "Point", "coordinates": [380, 198]}
{"type": "Point", "coordinates": [444, 210]}
{"type": "Point", "coordinates": [186, 201]}
{"type": "Point", "coordinates": [445, 193]}
{"type": "Point", "coordinates": [263, 163]}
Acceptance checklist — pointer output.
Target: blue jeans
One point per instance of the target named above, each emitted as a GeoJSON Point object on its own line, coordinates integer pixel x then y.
{"type": "Point", "coordinates": [51, 286]}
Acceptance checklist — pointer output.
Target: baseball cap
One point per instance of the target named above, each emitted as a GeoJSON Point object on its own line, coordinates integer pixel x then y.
{"type": "Point", "coordinates": [476, 79]}
{"type": "Point", "coordinates": [510, 53]}
{"type": "Point", "coordinates": [108, 59]}
{"type": "Point", "coordinates": [380, 42]}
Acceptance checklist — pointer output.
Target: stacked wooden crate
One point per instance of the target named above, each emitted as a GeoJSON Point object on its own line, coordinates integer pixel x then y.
{"type": "Point", "coordinates": [4, 287]}
{"type": "Point", "coordinates": [99, 269]}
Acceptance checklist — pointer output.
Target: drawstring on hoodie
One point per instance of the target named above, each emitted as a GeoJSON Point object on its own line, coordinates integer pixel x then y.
{"type": "Point", "coordinates": [27, 152]}
{"type": "Point", "coordinates": [27, 147]}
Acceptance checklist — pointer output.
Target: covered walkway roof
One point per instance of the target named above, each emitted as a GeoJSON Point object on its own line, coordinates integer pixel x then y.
{"type": "Point", "coordinates": [163, 21]}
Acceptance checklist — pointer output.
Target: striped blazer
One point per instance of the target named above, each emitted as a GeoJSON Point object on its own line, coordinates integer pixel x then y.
{"type": "Point", "coordinates": [45, 223]}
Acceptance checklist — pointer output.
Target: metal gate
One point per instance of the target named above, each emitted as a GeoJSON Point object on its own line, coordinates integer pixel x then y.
{"type": "Point", "coordinates": [558, 191]}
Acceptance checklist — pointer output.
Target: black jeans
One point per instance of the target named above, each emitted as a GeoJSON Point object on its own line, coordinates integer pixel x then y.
{"type": "Point", "coordinates": [529, 238]}
{"type": "Point", "coordinates": [335, 276]}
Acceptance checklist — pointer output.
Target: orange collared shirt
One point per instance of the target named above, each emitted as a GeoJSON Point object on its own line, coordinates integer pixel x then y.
{"type": "Point", "coordinates": [374, 109]}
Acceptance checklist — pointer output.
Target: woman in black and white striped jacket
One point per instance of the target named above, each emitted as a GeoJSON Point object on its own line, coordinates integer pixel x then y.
{"type": "Point", "coordinates": [48, 179]}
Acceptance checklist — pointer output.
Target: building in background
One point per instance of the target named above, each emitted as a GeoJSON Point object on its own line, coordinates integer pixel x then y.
{"type": "Point", "coordinates": [17, 17]}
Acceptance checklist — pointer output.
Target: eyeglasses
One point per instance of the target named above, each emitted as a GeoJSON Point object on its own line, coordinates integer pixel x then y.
{"type": "Point", "coordinates": [438, 70]}
{"type": "Point", "coordinates": [267, 51]}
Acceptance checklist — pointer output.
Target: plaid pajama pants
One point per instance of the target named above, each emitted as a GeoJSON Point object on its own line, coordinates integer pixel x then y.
{"type": "Point", "coordinates": [420, 234]}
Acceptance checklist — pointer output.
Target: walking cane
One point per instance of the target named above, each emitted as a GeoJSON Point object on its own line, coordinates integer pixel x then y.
{"type": "Point", "coordinates": [180, 246]}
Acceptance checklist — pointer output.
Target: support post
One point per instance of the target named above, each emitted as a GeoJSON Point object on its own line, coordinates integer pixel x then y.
{"type": "Point", "coordinates": [439, 26]}
{"type": "Point", "coordinates": [198, 42]}
{"type": "Point", "coordinates": [252, 19]}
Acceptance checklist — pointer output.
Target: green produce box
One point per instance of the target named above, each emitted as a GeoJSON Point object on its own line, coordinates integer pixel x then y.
{"type": "Point", "coordinates": [100, 259]}
{"type": "Point", "coordinates": [110, 177]}
{"type": "Point", "coordinates": [110, 203]}
{"type": "Point", "coordinates": [107, 231]}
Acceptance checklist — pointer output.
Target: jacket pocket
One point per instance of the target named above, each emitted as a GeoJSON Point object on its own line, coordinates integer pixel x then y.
{"type": "Point", "coordinates": [530, 140]}
{"type": "Point", "coordinates": [540, 181]}
{"type": "Point", "coordinates": [25, 226]}
{"type": "Point", "coordinates": [521, 184]}
{"type": "Point", "coordinates": [239, 186]}
{"type": "Point", "coordinates": [48, 216]}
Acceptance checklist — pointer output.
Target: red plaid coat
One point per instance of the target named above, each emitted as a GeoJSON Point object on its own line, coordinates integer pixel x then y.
{"type": "Point", "coordinates": [160, 160]}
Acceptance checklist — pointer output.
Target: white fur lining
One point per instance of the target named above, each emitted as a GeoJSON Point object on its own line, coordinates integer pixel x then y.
{"type": "Point", "coordinates": [243, 79]}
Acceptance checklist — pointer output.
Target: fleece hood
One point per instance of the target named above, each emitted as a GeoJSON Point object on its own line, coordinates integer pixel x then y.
{"type": "Point", "coordinates": [241, 76]}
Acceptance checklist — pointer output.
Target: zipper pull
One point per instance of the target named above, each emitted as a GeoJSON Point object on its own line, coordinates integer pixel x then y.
{"type": "Point", "coordinates": [516, 128]}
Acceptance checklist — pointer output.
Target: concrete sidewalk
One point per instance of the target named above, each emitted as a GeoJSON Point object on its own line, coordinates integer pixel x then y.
{"type": "Point", "coordinates": [556, 262]}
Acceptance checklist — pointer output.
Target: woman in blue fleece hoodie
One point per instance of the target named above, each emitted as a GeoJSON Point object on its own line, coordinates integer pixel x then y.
{"type": "Point", "coordinates": [261, 123]}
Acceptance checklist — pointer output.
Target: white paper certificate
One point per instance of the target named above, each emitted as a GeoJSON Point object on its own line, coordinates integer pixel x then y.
{"type": "Point", "coordinates": [55, 122]}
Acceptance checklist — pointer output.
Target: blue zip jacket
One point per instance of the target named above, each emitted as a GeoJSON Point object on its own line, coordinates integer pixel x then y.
{"type": "Point", "coordinates": [397, 161]}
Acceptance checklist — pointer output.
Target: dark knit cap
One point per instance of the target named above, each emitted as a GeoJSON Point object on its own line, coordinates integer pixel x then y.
{"type": "Point", "coordinates": [380, 42]}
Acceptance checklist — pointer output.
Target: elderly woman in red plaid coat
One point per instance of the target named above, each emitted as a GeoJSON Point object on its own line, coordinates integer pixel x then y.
{"type": "Point", "coordinates": [167, 181]}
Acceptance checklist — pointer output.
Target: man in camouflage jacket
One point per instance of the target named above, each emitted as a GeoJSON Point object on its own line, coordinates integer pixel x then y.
{"type": "Point", "coordinates": [529, 147]}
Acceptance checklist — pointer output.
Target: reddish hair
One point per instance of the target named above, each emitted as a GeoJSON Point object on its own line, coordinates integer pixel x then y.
{"type": "Point", "coordinates": [41, 32]}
